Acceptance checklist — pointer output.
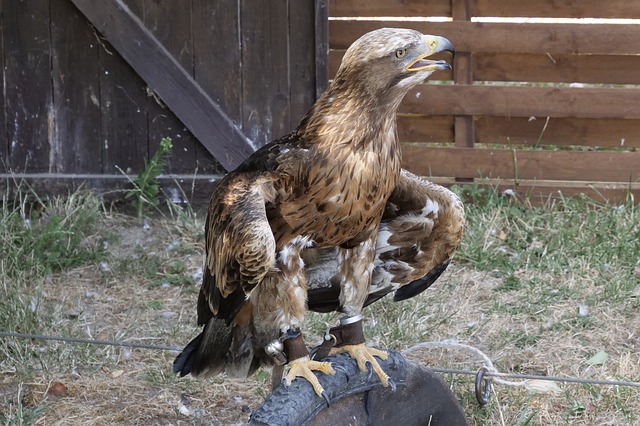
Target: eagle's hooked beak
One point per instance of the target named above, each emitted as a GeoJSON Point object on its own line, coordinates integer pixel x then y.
{"type": "Point", "coordinates": [434, 45]}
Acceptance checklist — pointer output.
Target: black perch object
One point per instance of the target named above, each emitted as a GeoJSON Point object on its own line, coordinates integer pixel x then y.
{"type": "Point", "coordinates": [357, 398]}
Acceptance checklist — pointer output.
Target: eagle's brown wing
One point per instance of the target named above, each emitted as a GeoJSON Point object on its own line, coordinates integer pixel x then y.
{"type": "Point", "coordinates": [240, 247]}
{"type": "Point", "coordinates": [240, 252]}
{"type": "Point", "coordinates": [420, 231]}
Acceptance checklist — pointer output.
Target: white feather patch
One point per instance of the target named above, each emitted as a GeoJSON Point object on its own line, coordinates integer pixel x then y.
{"type": "Point", "coordinates": [430, 207]}
{"type": "Point", "coordinates": [382, 245]}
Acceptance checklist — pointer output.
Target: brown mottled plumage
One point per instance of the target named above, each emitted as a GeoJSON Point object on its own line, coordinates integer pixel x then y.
{"type": "Point", "coordinates": [324, 215]}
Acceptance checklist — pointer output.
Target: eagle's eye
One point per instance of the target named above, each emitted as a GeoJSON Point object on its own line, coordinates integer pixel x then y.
{"type": "Point", "coordinates": [400, 53]}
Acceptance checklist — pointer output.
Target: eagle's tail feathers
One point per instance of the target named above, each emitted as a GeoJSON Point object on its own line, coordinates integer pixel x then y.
{"type": "Point", "coordinates": [205, 355]}
{"type": "Point", "coordinates": [182, 363]}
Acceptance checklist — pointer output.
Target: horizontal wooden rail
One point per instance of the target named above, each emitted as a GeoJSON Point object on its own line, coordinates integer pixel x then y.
{"type": "Point", "coordinates": [598, 39]}
{"type": "Point", "coordinates": [489, 8]}
{"type": "Point", "coordinates": [509, 101]}
{"type": "Point", "coordinates": [587, 132]}
{"type": "Point", "coordinates": [111, 187]}
{"type": "Point", "coordinates": [543, 191]}
{"type": "Point", "coordinates": [523, 164]}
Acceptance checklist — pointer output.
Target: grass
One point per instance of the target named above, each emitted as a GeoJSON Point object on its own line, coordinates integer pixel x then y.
{"type": "Point", "coordinates": [540, 289]}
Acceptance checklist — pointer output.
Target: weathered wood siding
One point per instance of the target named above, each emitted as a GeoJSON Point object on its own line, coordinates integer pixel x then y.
{"type": "Point", "coordinates": [548, 105]}
{"type": "Point", "coordinates": [74, 110]}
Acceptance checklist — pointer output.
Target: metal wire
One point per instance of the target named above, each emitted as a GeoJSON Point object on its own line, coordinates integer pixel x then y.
{"type": "Point", "coordinates": [435, 369]}
{"type": "Point", "coordinates": [90, 341]}
{"type": "Point", "coordinates": [536, 377]}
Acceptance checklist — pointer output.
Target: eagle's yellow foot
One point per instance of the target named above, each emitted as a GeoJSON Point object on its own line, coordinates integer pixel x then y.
{"type": "Point", "coordinates": [304, 367]}
{"type": "Point", "coordinates": [363, 354]}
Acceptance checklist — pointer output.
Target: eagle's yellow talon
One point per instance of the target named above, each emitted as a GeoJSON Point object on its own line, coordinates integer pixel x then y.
{"type": "Point", "coordinates": [304, 367]}
{"type": "Point", "coordinates": [363, 355]}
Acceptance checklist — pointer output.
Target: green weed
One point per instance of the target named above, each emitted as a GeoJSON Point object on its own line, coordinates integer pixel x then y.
{"type": "Point", "coordinates": [146, 189]}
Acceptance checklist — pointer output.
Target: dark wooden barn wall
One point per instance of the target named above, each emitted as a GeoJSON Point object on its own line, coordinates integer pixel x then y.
{"type": "Point", "coordinates": [72, 105]}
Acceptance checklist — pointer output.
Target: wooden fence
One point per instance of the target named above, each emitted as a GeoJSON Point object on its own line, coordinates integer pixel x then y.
{"type": "Point", "coordinates": [535, 105]}
{"type": "Point", "coordinates": [91, 87]}
{"type": "Point", "coordinates": [530, 105]}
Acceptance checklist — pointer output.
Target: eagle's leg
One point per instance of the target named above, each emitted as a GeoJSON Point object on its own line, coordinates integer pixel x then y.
{"type": "Point", "coordinates": [353, 344]}
{"type": "Point", "coordinates": [356, 267]}
{"type": "Point", "coordinates": [280, 301]}
{"type": "Point", "coordinates": [299, 364]}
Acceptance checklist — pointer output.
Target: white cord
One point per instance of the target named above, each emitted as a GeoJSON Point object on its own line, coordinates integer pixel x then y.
{"type": "Point", "coordinates": [531, 385]}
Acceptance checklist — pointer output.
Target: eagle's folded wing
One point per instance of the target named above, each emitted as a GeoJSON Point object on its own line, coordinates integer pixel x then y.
{"type": "Point", "coordinates": [421, 229]}
{"type": "Point", "coordinates": [240, 245]}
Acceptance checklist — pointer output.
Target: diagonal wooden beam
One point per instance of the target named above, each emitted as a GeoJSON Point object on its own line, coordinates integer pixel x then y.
{"type": "Point", "coordinates": [162, 72]}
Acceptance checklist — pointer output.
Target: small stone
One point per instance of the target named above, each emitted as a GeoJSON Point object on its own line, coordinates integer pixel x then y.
{"type": "Point", "coordinates": [583, 310]}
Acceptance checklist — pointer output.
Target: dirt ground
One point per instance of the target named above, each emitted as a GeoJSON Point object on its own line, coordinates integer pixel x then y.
{"type": "Point", "coordinates": [145, 291]}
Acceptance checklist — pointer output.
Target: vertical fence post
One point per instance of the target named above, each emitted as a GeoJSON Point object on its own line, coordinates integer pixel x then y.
{"type": "Point", "coordinates": [464, 131]}
{"type": "Point", "coordinates": [322, 46]}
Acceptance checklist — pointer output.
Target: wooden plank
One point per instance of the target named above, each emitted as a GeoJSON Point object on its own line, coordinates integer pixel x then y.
{"type": "Point", "coordinates": [545, 192]}
{"type": "Point", "coordinates": [509, 101]}
{"type": "Point", "coordinates": [265, 72]}
{"type": "Point", "coordinates": [216, 28]}
{"type": "Point", "coordinates": [75, 72]}
{"type": "Point", "coordinates": [4, 140]}
{"type": "Point", "coordinates": [389, 8]}
{"type": "Point", "coordinates": [464, 131]}
{"type": "Point", "coordinates": [499, 8]}
{"type": "Point", "coordinates": [172, 27]}
{"type": "Point", "coordinates": [423, 128]}
{"type": "Point", "coordinates": [302, 59]}
{"type": "Point", "coordinates": [602, 39]}
{"type": "Point", "coordinates": [123, 101]}
{"type": "Point", "coordinates": [194, 189]}
{"type": "Point", "coordinates": [604, 133]}
{"type": "Point", "coordinates": [557, 68]}
{"type": "Point", "coordinates": [27, 84]}
{"type": "Point", "coordinates": [322, 46]}
{"type": "Point", "coordinates": [175, 86]}
{"type": "Point", "coordinates": [558, 8]}
{"type": "Point", "coordinates": [522, 164]}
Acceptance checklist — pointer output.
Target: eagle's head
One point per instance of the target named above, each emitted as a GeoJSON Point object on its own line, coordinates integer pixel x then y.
{"type": "Point", "coordinates": [392, 60]}
{"type": "Point", "coordinates": [376, 72]}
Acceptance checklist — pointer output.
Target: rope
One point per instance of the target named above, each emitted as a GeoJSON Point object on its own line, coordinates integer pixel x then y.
{"type": "Point", "coordinates": [90, 341]}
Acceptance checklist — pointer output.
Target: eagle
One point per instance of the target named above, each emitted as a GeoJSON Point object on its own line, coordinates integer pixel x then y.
{"type": "Point", "coordinates": [324, 219]}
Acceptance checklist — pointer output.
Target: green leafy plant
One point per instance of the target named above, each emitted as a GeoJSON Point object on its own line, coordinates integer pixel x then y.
{"type": "Point", "coordinates": [145, 186]}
